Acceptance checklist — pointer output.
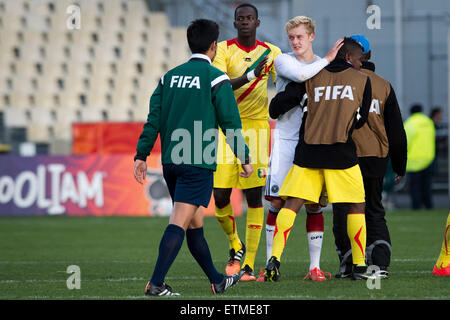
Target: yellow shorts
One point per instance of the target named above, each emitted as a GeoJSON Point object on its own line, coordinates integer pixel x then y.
{"type": "Point", "coordinates": [342, 185]}
{"type": "Point", "coordinates": [257, 136]}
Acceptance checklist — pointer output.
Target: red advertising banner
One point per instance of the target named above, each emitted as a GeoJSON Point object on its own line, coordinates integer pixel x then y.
{"type": "Point", "coordinates": [99, 185]}
{"type": "Point", "coordinates": [107, 138]}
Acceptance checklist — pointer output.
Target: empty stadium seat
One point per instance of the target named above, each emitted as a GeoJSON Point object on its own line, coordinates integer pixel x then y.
{"type": "Point", "coordinates": [52, 75]}
{"type": "Point", "coordinates": [16, 117]}
{"type": "Point", "coordinates": [40, 126]}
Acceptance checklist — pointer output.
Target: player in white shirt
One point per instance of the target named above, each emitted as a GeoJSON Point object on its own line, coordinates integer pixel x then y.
{"type": "Point", "coordinates": [298, 65]}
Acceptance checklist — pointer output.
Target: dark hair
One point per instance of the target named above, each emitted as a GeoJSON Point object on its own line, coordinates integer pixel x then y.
{"type": "Point", "coordinates": [242, 5]}
{"type": "Point", "coordinates": [349, 45]}
{"type": "Point", "coordinates": [416, 108]}
{"type": "Point", "coordinates": [435, 111]}
{"type": "Point", "coordinates": [201, 33]}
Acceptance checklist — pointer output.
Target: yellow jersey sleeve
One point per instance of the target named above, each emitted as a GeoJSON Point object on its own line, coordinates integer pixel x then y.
{"type": "Point", "coordinates": [235, 60]}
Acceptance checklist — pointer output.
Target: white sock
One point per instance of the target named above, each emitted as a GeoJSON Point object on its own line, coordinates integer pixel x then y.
{"type": "Point", "coordinates": [269, 240]}
{"type": "Point", "coordinates": [315, 247]}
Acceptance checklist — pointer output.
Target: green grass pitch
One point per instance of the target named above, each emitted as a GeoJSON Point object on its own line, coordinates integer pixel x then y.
{"type": "Point", "coordinates": [116, 256]}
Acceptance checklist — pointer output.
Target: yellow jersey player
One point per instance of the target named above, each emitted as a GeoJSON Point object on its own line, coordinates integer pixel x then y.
{"type": "Point", "coordinates": [248, 62]}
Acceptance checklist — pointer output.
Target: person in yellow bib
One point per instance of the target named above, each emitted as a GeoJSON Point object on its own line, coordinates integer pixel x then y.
{"type": "Point", "coordinates": [420, 134]}
{"type": "Point", "coordinates": [248, 62]}
{"type": "Point", "coordinates": [442, 266]}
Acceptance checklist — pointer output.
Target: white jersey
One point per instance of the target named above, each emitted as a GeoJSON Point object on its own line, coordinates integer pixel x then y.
{"type": "Point", "coordinates": [288, 69]}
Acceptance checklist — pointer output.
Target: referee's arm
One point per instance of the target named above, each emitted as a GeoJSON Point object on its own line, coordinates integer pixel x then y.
{"type": "Point", "coordinates": [151, 127]}
{"type": "Point", "coordinates": [228, 118]}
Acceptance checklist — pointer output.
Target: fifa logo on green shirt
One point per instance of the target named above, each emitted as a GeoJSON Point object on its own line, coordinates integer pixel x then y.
{"type": "Point", "coordinates": [183, 81]}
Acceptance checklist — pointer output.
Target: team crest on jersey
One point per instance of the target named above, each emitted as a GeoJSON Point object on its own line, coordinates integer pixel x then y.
{"type": "Point", "coordinates": [275, 188]}
{"type": "Point", "coordinates": [248, 59]}
{"type": "Point", "coordinates": [262, 173]}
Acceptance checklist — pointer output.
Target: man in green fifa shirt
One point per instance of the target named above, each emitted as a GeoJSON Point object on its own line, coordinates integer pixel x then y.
{"type": "Point", "coordinates": [187, 107]}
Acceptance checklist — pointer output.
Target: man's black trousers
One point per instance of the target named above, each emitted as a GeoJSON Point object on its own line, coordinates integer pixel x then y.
{"type": "Point", "coordinates": [378, 244]}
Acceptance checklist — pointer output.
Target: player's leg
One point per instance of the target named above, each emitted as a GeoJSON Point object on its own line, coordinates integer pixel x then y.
{"type": "Point", "coordinates": [199, 249]}
{"type": "Point", "coordinates": [341, 240]}
{"type": "Point", "coordinates": [257, 135]}
{"type": "Point", "coordinates": [314, 231]}
{"type": "Point", "coordinates": [300, 184]}
{"type": "Point", "coordinates": [347, 186]}
{"type": "Point", "coordinates": [357, 233]}
{"type": "Point", "coordinates": [378, 249]}
{"type": "Point", "coordinates": [281, 159]}
{"type": "Point", "coordinates": [170, 242]}
{"type": "Point", "coordinates": [415, 190]}
{"type": "Point", "coordinates": [274, 209]}
{"type": "Point", "coordinates": [426, 181]}
{"type": "Point", "coordinates": [284, 223]}
{"type": "Point", "coordinates": [169, 247]}
{"type": "Point", "coordinates": [255, 220]}
{"type": "Point", "coordinates": [225, 217]}
{"type": "Point", "coordinates": [226, 178]}
{"type": "Point", "coordinates": [442, 267]}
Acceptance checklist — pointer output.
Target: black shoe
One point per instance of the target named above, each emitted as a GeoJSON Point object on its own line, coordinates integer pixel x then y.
{"type": "Point", "coordinates": [234, 261]}
{"type": "Point", "coordinates": [344, 272]}
{"type": "Point", "coordinates": [164, 290]}
{"type": "Point", "coordinates": [227, 282]}
{"type": "Point", "coordinates": [247, 273]}
{"type": "Point", "coordinates": [360, 273]}
{"type": "Point", "coordinates": [272, 271]}
{"type": "Point", "coordinates": [239, 254]}
{"type": "Point", "coordinates": [382, 273]}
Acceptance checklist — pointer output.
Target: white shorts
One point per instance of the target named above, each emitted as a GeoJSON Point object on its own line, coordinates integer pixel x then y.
{"type": "Point", "coordinates": [280, 162]}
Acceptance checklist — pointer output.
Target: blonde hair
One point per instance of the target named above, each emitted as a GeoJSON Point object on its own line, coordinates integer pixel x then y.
{"type": "Point", "coordinates": [309, 24]}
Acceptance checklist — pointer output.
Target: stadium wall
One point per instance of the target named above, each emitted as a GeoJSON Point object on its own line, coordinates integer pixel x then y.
{"type": "Point", "coordinates": [80, 185]}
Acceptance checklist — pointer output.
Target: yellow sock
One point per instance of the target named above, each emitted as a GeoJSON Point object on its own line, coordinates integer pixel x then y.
{"type": "Point", "coordinates": [255, 220]}
{"type": "Point", "coordinates": [225, 216]}
{"type": "Point", "coordinates": [444, 258]}
{"type": "Point", "coordinates": [356, 231]}
{"type": "Point", "coordinates": [283, 226]}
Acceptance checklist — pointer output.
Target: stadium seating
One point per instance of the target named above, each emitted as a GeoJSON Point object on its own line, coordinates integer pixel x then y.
{"type": "Point", "coordinates": [54, 73]}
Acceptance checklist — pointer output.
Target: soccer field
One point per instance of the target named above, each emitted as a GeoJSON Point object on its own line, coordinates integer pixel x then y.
{"type": "Point", "coordinates": [116, 257]}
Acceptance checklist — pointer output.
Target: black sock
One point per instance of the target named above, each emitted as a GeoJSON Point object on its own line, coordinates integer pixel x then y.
{"type": "Point", "coordinates": [169, 247]}
{"type": "Point", "coordinates": [200, 251]}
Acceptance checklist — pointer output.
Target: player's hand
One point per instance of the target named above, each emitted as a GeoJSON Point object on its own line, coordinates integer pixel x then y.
{"type": "Point", "coordinates": [259, 68]}
{"type": "Point", "coordinates": [398, 178]}
{"type": "Point", "coordinates": [140, 170]}
{"type": "Point", "coordinates": [331, 55]}
{"type": "Point", "coordinates": [248, 170]}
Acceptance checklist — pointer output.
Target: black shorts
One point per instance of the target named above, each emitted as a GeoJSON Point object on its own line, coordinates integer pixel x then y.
{"type": "Point", "coordinates": [189, 184]}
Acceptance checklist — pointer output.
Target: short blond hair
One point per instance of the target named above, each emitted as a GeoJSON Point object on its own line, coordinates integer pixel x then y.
{"type": "Point", "coordinates": [309, 24]}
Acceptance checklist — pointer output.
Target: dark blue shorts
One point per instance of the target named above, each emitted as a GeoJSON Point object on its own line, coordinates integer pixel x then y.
{"type": "Point", "coordinates": [189, 184]}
